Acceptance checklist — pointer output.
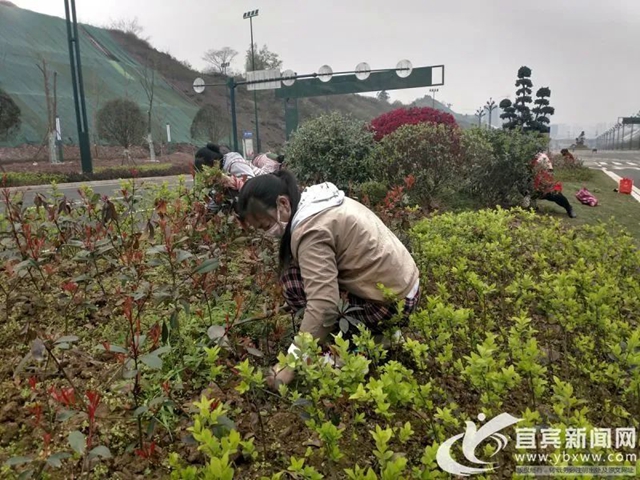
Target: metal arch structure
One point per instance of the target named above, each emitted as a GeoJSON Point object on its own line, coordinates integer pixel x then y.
{"type": "Point", "coordinates": [339, 83]}
{"type": "Point", "coordinates": [346, 84]}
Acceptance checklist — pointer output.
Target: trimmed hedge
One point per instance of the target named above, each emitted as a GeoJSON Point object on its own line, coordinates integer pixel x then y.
{"type": "Point", "coordinates": [23, 179]}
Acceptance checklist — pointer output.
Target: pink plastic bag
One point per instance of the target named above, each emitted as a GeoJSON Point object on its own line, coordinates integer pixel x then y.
{"type": "Point", "coordinates": [585, 197]}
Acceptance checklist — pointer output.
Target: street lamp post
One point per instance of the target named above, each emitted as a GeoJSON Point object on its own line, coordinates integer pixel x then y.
{"type": "Point", "coordinates": [480, 113]}
{"type": "Point", "coordinates": [490, 107]}
{"type": "Point", "coordinates": [250, 15]}
{"type": "Point", "coordinates": [433, 96]}
{"type": "Point", "coordinates": [78, 86]}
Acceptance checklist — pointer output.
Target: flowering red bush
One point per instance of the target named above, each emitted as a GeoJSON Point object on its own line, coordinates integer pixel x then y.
{"type": "Point", "coordinates": [389, 122]}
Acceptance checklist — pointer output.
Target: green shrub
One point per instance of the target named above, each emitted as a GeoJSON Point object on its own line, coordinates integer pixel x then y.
{"type": "Point", "coordinates": [434, 154]}
{"type": "Point", "coordinates": [521, 316]}
{"type": "Point", "coordinates": [373, 190]}
{"type": "Point", "coordinates": [121, 121]}
{"type": "Point", "coordinates": [570, 294]}
{"type": "Point", "coordinates": [331, 148]}
{"type": "Point", "coordinates": [571, 171]}
{"type": "Point", "coordinates": [10, 116]}
{"type": "Point", "coordinates": [502, 175]}
{"type": "Point", "coordinates": [22, 179]}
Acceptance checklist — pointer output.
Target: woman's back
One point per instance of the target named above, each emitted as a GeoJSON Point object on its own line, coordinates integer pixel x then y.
{"type": "Point", "coordinates": [366, 251]}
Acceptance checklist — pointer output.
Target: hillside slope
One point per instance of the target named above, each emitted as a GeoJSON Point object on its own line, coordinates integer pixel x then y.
{"type": "Point", "coordinates": [27, 39]}
{"type": "Point", "coordinates": [115, 65]}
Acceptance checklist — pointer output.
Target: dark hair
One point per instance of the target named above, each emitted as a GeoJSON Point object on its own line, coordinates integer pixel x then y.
{"type": "Point", "coordinates": [563, 151]}
{"type": "Point", "coordinates": [206, 156]}
{"type": "Point", "coordinates": [280, 158]}
{"type": "Point", "coordinates": [261, 193]}
{"type": "Point", "coordinates": [221, 149]}
{"type": "Point", "coordinates": [213, 147]}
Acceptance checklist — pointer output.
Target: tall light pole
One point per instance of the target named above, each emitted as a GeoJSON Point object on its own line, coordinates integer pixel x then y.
{"type": "Point", "coordinates": [250, 15]}
{"type": "Point", "coordinates": [490, 107]}
{"type": "Point", "coordinates": [78, 86]}
{"type": "Point", "coordinates": [433, 96]}
{"type": "Point", "coordinates": [480, 113]}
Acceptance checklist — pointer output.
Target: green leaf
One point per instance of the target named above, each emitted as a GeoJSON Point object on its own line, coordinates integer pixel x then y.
{"type": "Point", "coordinates": [165, 332]}
{"type": "Point", "coordinates": [207, 266]}
{"type": "Point", "coordinates": [157, 401]}
{"type": "Point", "coordinates": [255, 352]}
{"type": "Point", "coordinates": [114, 349]}
{"type": "Point", "coordinates": [216, 331]}
{"type": "Point", "coordinates": [161, 350]}
{"type": "Point", "coordinates": [78, 442]}
{"type": "Point", "coordinates": [183, 255]}
{"type": "Point", "coordinates": [55, 460]}
{"type": "Point", "coordinates": [157, 249]}
{"type": "Point", "coordinates": [152, 361]}
{"type": "Point", "coordinates": [173, 321]}
{"type": "Point", "coordinates": [38, 350]}
{"type": "Point", "coordinates": [186, 306]}
{"type": "Point", "coordinates": [27, 474]}
{"type": "Point", "coordinates": [67, 339]}
{"type": "Point", "coordinates": [75, 243]}
{"type": "Point", "coordinates": [100, 451]}
{"type": "Point", "coordinates": [129, 374]}
{"type": "Point", "coordinates": [64, 415]}
{"type": "Point", "coordinates": [16, 461]}
{"type": "Point", "coordinates": [344, 325]}
{"type": "Point", "coordinates": [140, 411]}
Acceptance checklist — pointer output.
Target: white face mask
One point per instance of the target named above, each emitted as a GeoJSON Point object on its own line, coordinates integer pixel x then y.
{"type": "Point", "coordinates": [278, 228]}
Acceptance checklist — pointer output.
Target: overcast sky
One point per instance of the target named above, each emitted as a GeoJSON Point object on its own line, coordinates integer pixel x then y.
{"type": "Point", "coordinates": [586, 51]}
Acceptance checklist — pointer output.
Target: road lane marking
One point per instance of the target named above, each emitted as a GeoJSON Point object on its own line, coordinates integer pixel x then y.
{"type": "Point", "coordinates": [616, 178]}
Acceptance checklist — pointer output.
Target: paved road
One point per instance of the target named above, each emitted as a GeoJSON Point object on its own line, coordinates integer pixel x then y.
{"type": "Point", "coordinates": [622, 162]}
{"type": "Point", "coordinates": [110, 188]}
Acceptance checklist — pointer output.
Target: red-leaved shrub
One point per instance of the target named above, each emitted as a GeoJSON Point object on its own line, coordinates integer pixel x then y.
{"type": "Point", "coordinates": [389, 122]}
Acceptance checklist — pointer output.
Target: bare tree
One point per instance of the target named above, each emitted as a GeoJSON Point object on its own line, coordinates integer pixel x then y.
{"type": "Point", "coordinates": [128, 26]}
{"type": "Point", "coordinates": [97, 87]}
{"type": "Point", "coordinates": [52, 108]}
{"type": "Point", "coordinates": [211, 124]}
{"type": "Point", "coordinates": [219, 60]}
{"type": "Point", "coordinates": [148, 81]}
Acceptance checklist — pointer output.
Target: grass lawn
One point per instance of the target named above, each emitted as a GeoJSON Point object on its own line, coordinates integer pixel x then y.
{"type": "Point", "coordinates": [623, 208]}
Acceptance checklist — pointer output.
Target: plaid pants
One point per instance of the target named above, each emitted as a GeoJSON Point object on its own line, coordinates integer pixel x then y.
{"type": "Point", "coordinates": [373, 315]}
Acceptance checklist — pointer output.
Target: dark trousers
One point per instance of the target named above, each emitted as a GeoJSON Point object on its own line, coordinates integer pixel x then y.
{"type": "Point", "coordinates": [373, 315]}
{"type": "Point", "coordinates": [558, 198]}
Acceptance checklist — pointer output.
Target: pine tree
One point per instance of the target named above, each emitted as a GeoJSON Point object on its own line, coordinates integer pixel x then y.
{"type": "Point", "coordinates": [542, 111]}
{"type": "Point", "coordinates": [523, 97]}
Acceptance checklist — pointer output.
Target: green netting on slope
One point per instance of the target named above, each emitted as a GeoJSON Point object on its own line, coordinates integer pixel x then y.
{"type": "Point", "coordinates": [109, 72]}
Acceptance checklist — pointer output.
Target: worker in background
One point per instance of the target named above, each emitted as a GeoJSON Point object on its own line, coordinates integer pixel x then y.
{"type": "Point", "coordinates": [269, 162]}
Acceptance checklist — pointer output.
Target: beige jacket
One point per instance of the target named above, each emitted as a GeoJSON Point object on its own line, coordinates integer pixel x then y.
{"type": "Point", "coordinates": [347, 247]}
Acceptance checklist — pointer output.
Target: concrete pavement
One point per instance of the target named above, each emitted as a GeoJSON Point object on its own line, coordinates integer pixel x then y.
{"type": "Point", "coordinates": [624, 163]}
